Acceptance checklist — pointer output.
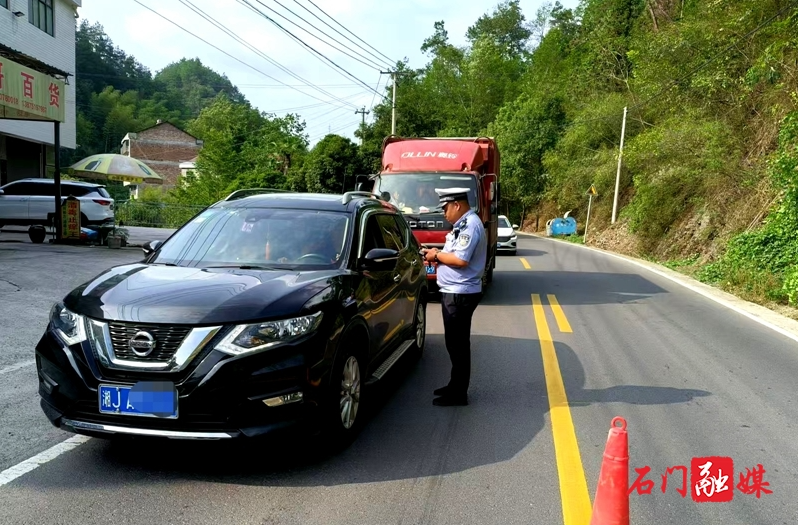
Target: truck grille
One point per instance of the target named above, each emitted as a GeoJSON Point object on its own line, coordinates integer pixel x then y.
{"type": "Point", "coordinates": [167, 338]}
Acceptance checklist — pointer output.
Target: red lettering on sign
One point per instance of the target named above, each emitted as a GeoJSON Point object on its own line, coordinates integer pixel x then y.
{"type": "Point", "coordinates": [709, 482]}
{"type": "Point", "coordinates": [1, 75]}
{"type": "Point", "coordinates": [642, 486]}
{"type": "Point", "coordinates": [751, 482]}
{"type": "Point", "coordinates": [671, 470]}
{"type": "Point", "coordinates": [27, 85]}
{"type": "Point", "coordinates": [54, 94]}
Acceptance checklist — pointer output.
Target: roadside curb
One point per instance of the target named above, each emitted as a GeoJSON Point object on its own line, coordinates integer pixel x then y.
{"type": "Point", "coordinates": [764, 316]}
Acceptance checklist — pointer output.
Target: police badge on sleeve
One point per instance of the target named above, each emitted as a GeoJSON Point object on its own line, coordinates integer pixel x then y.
{"type": "Point", "coordinates": [463, 240]}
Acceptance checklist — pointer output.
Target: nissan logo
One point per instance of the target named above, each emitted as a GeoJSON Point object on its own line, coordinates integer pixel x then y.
{"type": "Point", "coordinates": [142, 344]}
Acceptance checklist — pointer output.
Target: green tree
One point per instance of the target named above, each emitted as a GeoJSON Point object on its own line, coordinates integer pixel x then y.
{"type": "Point", "coordinates": [331, 166]}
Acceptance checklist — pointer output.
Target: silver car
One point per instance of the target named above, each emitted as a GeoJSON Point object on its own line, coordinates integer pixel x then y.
{"type": "Point", "coordinates": [29, 202]}
{"type": "Point", "coordinates": [507, 236]}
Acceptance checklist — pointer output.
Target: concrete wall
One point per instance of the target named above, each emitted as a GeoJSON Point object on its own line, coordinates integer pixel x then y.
{"type": "Point", "coordinates": [58, 51]}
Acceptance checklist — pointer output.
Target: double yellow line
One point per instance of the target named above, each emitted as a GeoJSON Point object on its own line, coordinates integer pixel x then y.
{"type": "Point", "coordinates": [575, 498]}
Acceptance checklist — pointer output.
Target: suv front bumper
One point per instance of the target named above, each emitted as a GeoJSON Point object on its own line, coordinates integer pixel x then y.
{"type": "Point", "coordinates": [218, 397]}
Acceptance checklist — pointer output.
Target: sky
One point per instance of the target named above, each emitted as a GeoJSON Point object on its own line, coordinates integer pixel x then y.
{"type": "Point", "coordinates": [384, 32]}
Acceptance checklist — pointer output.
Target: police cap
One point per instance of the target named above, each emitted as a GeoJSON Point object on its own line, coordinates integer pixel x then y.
{"type": "Point", "coordinates": [452, 194]}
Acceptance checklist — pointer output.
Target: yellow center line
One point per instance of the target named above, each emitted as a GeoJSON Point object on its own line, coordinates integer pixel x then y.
{"type": "Point", "coordinates": [526, 264]}
{"type": "Point", "coordinates": [576, 508]}
{"type": "Point", "coordinates": [562, 321]}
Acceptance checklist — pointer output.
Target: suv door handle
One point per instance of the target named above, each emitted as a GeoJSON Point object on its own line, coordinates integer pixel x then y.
{"type": "Point", "coordinates": [397, 278]}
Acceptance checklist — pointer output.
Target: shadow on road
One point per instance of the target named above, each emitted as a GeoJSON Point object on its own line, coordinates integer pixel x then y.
{"type": "Point", "coordinates": [570, 288]}
{"type": "Point", "coordinates": [405, 436]}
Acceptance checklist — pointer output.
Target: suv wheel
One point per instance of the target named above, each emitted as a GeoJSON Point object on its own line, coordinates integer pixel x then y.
{"type": "Point", "coordinates": [344, 403]}
{"type": "Point", "coordinates": [420, 327]}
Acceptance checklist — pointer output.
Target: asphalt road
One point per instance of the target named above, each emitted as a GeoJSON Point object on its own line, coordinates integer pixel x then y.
{"type": "Point", "coordinates": [690, 377]}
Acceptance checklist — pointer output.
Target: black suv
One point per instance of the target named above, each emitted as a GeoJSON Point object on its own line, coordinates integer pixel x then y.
{"type": "Point", "coordinates": [262, 312]}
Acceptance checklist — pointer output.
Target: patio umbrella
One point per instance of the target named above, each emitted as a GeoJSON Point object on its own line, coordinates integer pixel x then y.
{"type": "Point", "coordinates": [113, 166]}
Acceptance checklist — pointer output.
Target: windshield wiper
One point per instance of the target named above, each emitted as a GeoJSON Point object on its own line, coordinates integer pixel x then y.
{"type": "Point", "coordinates": [248, 267]}
{"type": "Point", "coordinates": [164, 264]}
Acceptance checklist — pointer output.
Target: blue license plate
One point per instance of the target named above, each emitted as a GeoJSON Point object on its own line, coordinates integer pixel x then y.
{"type": "Point", "coordinates": [145, 398]}
{"type": "Point", "coordinates": [430, 269]}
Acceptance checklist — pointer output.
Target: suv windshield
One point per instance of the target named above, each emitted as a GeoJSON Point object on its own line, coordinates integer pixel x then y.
{"type": "Point", "coordinates": [415, 192]}
{"type": "Point", "coordinates": [259, 237]}
{"type": "Point", "coordinates": [504, 223]}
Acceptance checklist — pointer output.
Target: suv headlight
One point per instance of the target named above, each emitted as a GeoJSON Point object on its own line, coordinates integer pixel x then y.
{"type": "Point", "coordinates": [67, 324]}
{"type": "Point", "coordinates": [252, 337]}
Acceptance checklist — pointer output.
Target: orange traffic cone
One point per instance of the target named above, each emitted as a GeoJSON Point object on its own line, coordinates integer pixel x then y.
{"type": "Point", "coordinates": [611, 506]}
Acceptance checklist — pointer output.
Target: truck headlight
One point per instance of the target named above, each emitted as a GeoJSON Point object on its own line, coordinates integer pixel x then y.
{"type": "Point", "coordinates": [67, 324]}
{"type": "Point", "coordinates": [252, 337]}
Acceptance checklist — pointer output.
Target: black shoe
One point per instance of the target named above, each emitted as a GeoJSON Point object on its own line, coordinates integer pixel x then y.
{"type": "Point", "coordinates": [450, 401]}
{"type": "Point", "coordinates": [442, 391]}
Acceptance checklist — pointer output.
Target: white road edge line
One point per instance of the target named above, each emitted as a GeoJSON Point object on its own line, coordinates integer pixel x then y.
{"type": "Point", "coordinates": [711, 293]}
{"type": "Point", "coordinates": [16, 367]}
{"type": "Point", "coordinates": [12, 473]}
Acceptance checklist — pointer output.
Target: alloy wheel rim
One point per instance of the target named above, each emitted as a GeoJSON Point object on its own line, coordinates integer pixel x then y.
{"type": "Point", "coordinates": [350, 392]}
{"type": "Point", "coordinates": [421, 326]}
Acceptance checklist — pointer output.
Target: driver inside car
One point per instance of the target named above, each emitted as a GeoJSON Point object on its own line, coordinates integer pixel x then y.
{"type": "Point", "coordinates": [313, 247]}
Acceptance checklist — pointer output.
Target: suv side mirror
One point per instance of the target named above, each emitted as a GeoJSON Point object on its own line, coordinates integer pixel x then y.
{"type": "Point", "coordinates": [515, 226]}
{"type": "Point", "coordinates": [379, 258]}
{"type": "Point", "coordinates": [150, 247]}
{"type": "Point", "coordinates": [2, 192]}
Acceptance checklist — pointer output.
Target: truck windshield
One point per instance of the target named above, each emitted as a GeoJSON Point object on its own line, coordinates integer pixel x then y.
{"type": "Point", "coordinates": [415, 192]}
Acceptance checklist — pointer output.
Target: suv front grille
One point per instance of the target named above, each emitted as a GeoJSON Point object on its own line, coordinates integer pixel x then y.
{"type": "Point", "coordinates": [167, 340]}
{"type": "Point", "coordinates": [504, 238]}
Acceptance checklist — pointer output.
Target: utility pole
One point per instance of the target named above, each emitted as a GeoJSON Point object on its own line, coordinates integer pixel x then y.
{"type": "Point", "coordinates": [363, 125]}
{"type": "Point", "coordinates": [393, 103]}
{"type": "Point", "coordinates": [618, 173]}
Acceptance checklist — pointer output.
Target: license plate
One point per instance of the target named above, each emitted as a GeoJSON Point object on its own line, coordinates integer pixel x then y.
{"type": "Point", "coordinates": [430, 269]}
{"type": "Point", "coordinates": [145, 399]}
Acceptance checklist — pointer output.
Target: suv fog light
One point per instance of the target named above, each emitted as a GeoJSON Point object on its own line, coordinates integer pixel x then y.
{"type": "Point", "coordinates": [284, 399]}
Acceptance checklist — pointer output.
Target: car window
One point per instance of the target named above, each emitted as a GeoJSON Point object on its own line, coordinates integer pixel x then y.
{"type": "Point", "coordinates": [285, 238]}
{"type": "Point", "coordinates": [75, 189]}
{"type": "Point", "coordinates": [42, 189]}
{"type": "Point", "coordinates": [18, 188]}
{"type": "Point", "coordinates": [372, 235]}
{"type": "Point", "coordinates": [504, 223]}
{"type": "Point", "coordinates": [391, 232]}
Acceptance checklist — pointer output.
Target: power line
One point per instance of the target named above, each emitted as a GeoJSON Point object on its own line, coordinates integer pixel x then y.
{"type": "Point", "coordinates": [389, 62]}
{"type": "Point", "coordinates": [264, 15]}
{"type": "Point", "coordinates": [222, 50]}
{"type": "Point", "coordinates": [249, 46]}
{"type": "Point", "coordinates": [370, 62]}
{"type": "Point", "coordinates": [348, 31]}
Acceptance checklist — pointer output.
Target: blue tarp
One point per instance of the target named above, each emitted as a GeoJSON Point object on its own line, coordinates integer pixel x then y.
{"type": "Point", "coordinates": [561, 226]}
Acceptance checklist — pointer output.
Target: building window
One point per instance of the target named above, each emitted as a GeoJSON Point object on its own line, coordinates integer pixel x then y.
{"type": "Point", "coordinates": [41, 15]}
{"type": "Point", "coordinates": [4, 3]}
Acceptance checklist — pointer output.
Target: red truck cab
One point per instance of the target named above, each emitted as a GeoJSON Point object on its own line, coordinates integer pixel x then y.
{"type": "Point", "coordinates": [411, 170]}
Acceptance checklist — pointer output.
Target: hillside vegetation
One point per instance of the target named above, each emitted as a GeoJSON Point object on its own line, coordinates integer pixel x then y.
{"type": "Point", "coordinates": [709, 168]}
{"type": "Point", "coordinates": [710, 163]}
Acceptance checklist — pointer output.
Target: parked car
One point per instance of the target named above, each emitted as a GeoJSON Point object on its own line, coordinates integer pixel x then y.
{"type": "Point", "coordinates": [29, 202]}
{"type": "Point", "coordinates": [263, 312]}
{"type": "Point", "coordinates": [508, 239]}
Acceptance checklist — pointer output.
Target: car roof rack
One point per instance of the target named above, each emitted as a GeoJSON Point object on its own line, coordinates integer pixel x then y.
{"type": "Point", "coordinates": [240, 194]}
{"type": "Point", "coordinates": [349, 195]}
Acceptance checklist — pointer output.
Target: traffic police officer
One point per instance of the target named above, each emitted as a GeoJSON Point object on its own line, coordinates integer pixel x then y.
{"type": "Point", "coordinates": [461, 265]}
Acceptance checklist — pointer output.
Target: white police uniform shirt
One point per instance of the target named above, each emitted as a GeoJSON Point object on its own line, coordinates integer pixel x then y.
{"type": "Point", "coordinates": [468, 242]}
